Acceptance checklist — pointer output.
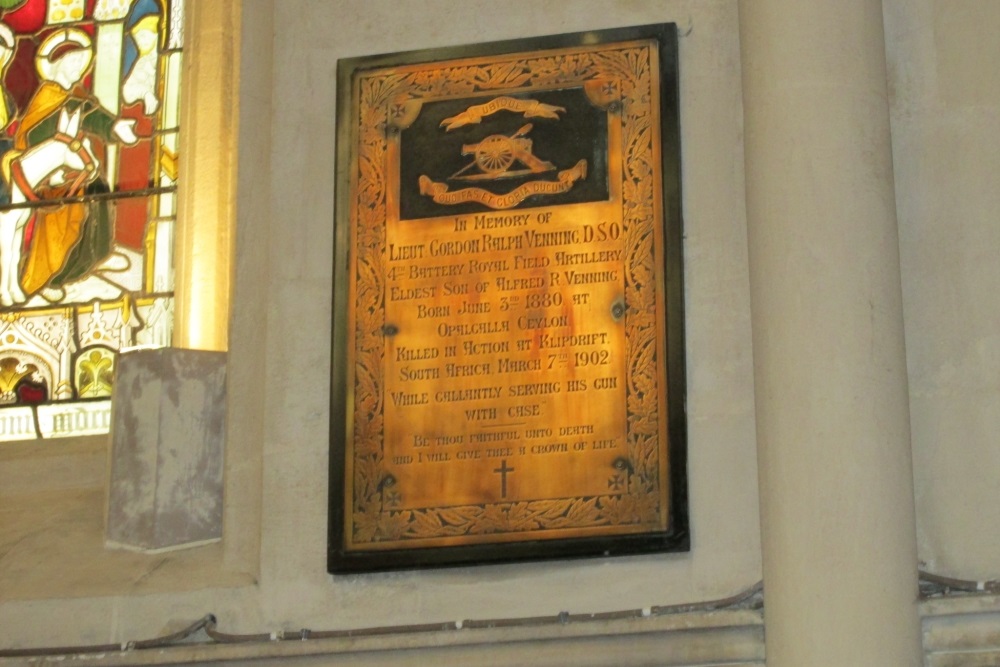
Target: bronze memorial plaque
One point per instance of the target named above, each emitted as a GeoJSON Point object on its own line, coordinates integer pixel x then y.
{"type": "Point", "coordinates": [508, 367]}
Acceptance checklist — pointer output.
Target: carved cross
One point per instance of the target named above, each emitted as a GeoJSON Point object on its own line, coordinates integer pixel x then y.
{"type": "Point", "coordinates": [503, 470]}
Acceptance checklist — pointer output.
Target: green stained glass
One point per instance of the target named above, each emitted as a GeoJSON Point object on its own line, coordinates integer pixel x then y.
{"type": "Point", "coordinates": [88, 172]}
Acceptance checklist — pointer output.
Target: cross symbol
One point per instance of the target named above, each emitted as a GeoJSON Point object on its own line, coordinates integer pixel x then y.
{"type": "Point", "coordinates": [615, 482]}
{"type": "Point", "coordinates": [503, 470]}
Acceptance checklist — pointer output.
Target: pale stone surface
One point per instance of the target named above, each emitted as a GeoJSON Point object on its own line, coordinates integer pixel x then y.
{"type": "Point", "coordinates": [167, 436]}
{"type": "Point", "coordinates": [52, 546]}
{"type": "Point", "coordinates": [59, 464]}
{"type": "Point", "coordinates": [837, 518]}
{"type": "Point", "coordinates": [53, 497]}
{"type": "Point", "coordinates": [946, 124]}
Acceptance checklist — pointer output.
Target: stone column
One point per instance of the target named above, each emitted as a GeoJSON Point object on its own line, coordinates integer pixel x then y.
{"type": "Point", "coordinates": [838, 536]}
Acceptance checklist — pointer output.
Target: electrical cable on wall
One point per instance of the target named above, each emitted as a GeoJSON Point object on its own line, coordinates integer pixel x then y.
{"type": "Point", "coordinates": [747, 599]}
{"type": "Point", "coordinates": [931, 586]}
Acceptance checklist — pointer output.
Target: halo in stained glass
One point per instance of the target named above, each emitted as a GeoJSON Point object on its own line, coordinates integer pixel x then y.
{"type": "Point", "coordinates": [88, 175]}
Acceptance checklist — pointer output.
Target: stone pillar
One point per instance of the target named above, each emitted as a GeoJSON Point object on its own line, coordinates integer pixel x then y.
{"type": "Point", "coordinates": [837, 518]}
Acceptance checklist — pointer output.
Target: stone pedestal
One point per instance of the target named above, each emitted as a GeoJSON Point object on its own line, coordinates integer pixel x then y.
{"type": "Point", "coordinates": [167, 433]}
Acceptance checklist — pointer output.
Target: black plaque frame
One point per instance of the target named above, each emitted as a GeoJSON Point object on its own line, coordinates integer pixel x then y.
{"type": "Point", "coordinates": [676, 538]}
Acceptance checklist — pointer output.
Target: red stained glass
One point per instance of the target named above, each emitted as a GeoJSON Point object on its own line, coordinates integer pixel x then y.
{"type": "Point", "coordinates": [26, 19]}
{"type": "Point", "coordinates": [88, 155]}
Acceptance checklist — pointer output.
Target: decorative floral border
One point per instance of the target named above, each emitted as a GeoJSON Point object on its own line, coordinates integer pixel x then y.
{"type": "Point", "coordinates": [634, 497]}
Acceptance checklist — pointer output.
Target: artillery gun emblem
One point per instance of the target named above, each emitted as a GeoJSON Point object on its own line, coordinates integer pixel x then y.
{"type": "Point", "coordinates": [503, 156]}
{"type": "Point", "coordinates": [497, 153]}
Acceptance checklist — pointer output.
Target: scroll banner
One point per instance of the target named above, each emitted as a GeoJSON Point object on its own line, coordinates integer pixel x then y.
{"type": "Point", "coordinates": [475, 114]}
{"type": "Point", "coordinates": [566, 178]}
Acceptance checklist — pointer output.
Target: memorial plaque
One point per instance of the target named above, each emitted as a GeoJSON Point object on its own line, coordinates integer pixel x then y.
{"type": "Point", "coordinates": [508, 363]}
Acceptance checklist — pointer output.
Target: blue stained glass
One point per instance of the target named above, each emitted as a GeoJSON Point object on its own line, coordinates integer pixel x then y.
{"type": "Point", "coordinates": [88, 175]}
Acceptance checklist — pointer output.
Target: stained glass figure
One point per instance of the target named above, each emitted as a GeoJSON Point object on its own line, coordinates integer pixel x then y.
{"type": "Point", "coordinates": [89, 111]}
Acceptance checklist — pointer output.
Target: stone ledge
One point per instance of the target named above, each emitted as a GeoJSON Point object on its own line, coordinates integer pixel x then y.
{"type": "Point", "coordinates": [961, 631]}
{"type": "Point", "coordinates": [698, 639]}
{"type": "Point", "coordinates": [958, 603]}
{"type": "Point", "coordinates": [52, 546]}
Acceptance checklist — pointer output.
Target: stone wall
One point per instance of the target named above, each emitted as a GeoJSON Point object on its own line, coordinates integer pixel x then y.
{"type": "Point", "coordinates": [58, 586]}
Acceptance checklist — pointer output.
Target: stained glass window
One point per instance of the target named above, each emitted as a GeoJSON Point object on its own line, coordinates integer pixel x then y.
{"type": "Point", "coordinates": [88, 174]}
